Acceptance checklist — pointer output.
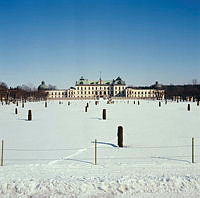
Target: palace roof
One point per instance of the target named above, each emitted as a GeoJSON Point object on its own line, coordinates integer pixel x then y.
{"type": "Point", "coordinates": [117, 81]}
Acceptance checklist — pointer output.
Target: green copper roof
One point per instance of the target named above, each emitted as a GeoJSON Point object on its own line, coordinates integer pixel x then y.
{"type": "Point", "coordinates": [43, 86]}
{"type": "Point", "coordinates": [83, 81]}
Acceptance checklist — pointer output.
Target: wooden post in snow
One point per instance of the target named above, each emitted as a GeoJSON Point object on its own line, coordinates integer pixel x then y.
{"type": "Point", "coordinates": [192, 150]}
{"type": "Point", "coordinates": [95, 152]}
{"type": "Point", "coordinates": [29, 115]}
{"type": "Point", "coordinates": [188, 108]}
{"type": "Point", "coordinates": [2, 145]}
{"type": "Point", "coordinates": [104, 114]}
{"type": "Point", "coordinates": [120, 136]}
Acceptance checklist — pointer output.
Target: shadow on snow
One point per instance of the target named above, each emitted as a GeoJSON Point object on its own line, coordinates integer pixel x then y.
{"type": "Point", "coordinates": [167, 158]}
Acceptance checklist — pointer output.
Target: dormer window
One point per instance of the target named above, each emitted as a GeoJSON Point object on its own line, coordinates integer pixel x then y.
{"type": "Point", "coordinates": [119, 82]}
{"type": "Point", "coordinates": [81, 78]}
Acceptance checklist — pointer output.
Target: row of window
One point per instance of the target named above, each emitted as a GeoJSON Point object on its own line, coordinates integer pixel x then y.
{"type": "Point", "coordinates": [99, 93]}
{"type": "Point", "coordinates": [56, 93]}
{"type": "Point", "coordinates": [57, 96]}
{"type": "Point", "coordinates": [100, 88]}
{"type": "Point", "coordinates": [132, 92]}
{"type": "Point", "coordinates": [141, 95]}
{"type": "Point", "coordinates": [92, 92]}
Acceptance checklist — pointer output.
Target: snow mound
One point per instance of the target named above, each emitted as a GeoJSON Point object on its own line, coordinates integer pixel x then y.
{"type": "Point", "coordinates": [100, 187]}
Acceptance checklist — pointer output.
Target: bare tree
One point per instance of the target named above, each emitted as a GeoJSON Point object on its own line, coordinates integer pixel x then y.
{"type": "Point", "coordinates": [194, 81]}
{"type": "Point", "coordinates": [3, 86]}
{"type": "Point", "coordinates": [51, 87]}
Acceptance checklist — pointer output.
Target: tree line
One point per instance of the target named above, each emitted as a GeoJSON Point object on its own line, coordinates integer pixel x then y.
{"type": "Point", "coordinates": [20, 93]}
{"type": "Point", "coordinates": [182, 91]}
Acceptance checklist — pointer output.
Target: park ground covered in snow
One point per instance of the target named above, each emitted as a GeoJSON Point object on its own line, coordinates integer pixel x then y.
{"type": "Point", "coordinates": [53, 155]}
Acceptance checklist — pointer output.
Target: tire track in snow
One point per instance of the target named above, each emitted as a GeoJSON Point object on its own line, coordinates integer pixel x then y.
{"type": "Point", "coordinates": [68, 157]}
{"type": "Point", "coordinates": [72, 155]}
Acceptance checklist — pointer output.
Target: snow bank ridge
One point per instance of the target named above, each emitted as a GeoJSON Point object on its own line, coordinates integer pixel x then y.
{"type": "Point", "coordinates": [104, 187]}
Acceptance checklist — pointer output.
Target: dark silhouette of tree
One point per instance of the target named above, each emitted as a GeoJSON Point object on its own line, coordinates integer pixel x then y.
{"type": "Point", "coordinates": [182, 91]}
{"type": "Point", "coordinates": [23, 92]}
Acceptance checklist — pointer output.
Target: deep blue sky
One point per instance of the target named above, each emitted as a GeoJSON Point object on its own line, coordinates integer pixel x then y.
{"type": "Point", "coordinates": [58, 41]}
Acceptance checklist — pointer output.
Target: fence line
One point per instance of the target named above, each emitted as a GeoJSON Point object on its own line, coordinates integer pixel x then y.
{"type": "Point", "coordinates": [103, 158]}
{"type": "Point", "coordinates": [41, 150]}
{"type": "Point", "coordinates": [125, 147]}
{"type": "Point", "coordinates": [149, 147]}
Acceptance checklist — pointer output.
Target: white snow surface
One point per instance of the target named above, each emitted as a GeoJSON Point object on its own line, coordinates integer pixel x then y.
{"type": "Point", "coordinates": [53, 155]}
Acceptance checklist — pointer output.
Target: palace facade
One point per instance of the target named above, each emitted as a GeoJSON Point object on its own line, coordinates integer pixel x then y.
{"type": "Point", "coordinates": [145, 93]}
{"type": "Point", "coordinates": [100, 88]}
{"type": "Point", "coordinates": [95, 89]}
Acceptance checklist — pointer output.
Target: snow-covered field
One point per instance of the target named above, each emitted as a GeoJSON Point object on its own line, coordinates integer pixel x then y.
{"type": "Point", "coordinates": [53, 155]}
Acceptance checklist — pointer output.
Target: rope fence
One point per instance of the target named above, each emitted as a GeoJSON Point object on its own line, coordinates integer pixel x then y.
{"type": "Point", "coordinates": [101, 158]}
{"type": "Point", "coordinates": [71, 149]}
{"type": "Point", "coordinates": [42, 150]}
{"type": "Point", "coordinates": [108, 146]}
